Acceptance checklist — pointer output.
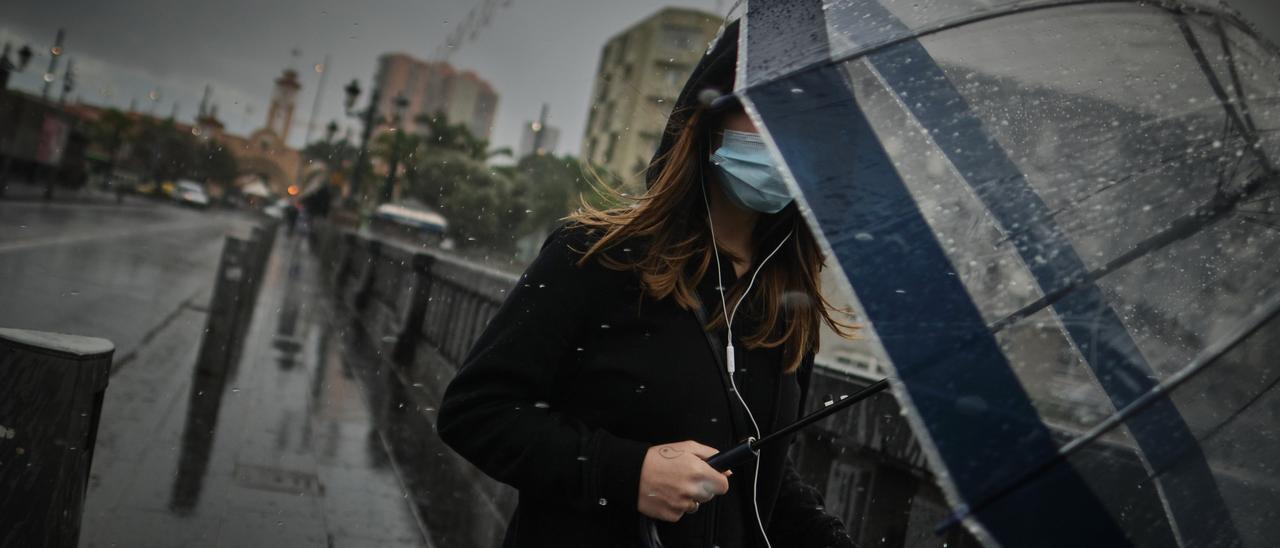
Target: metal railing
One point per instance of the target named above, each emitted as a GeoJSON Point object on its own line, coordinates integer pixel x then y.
{"type": "Point", "coordinates": [425, 308]}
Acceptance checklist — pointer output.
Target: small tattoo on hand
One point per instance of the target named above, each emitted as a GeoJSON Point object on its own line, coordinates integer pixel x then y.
{"type": "Point", "coordinates": [669, 452]}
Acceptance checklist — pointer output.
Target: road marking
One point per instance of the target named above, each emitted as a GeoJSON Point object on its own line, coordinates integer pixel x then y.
{"type": "Point", "coordinates": [105, 235]}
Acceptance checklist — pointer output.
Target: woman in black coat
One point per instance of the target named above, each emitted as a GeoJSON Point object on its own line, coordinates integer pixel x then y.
{"type": "Point", "coordinates": [605, 381]}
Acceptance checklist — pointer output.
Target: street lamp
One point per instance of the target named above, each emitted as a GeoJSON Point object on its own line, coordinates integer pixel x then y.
{"type": "Point", "coordinates": [353, 91]}
{"type": "Point", "coordinates": [388, 188]}
{"type": "Point", "coordinates": [7, 67]}
{"type": "Point", "coordinates": [330, 131]}
{"type": "Point", "coordinates": [55, 52]}
{"type": "Point", "coordinates": [368, 118]}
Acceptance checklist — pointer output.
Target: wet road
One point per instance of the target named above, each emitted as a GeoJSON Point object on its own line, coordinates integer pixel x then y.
{"type": "Point", "coordinates": [282, 449]}
{"type": "Point", "coordinates": [117, 272]}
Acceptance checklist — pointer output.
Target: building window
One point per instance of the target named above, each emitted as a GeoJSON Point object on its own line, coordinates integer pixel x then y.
{"type": "Point", "coordinates": [681, 37]}
{"type": "Point", "coordinates": [608, 151]}
{"type": "Point", "coordinates": [650, 140]}
{"type": "Point", "coordinates": [606, 117]}
{"type": "Point", "coordinates": [673, 75]}
{"type": "Point", "coordinates": [661, 103]}
{"type": "Point", "coordinates": [619, 49]}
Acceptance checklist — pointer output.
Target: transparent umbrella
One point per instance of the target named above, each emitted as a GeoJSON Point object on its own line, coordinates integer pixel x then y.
{"type": "Point", "coordinates": [1060, 220]}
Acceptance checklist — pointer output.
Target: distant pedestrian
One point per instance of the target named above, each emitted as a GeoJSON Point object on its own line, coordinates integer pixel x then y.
{"type": "Point", "coordinates": [602, 384]}
{"type": "Point", "coordinates": [290, 217]}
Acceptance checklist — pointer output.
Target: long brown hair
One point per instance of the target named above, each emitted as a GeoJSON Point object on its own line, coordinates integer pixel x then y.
{"type": "Point", "coordinates": [787, 301]}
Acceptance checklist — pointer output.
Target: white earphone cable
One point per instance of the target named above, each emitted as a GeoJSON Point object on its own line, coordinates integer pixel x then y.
{"type": "Point", "coordinates": [729, 352]}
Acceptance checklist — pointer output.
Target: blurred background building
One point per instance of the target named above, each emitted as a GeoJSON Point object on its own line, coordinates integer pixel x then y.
{"type": "Point", "coordinates": [640, 73]}
{"type": "Point", "coordinates": [538, 137]}
{"type": "Point", "coordinates": [435, 88]}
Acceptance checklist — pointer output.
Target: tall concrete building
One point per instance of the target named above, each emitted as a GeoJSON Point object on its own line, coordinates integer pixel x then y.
{"type": "Point", "coordinates": [538, 137]}
{"type": "Point", "coordinates": [436, 88]}
{"type": "Point", "coordinates": [640, 73]}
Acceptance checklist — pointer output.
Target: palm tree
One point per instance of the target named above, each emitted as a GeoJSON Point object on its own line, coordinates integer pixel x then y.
{"type": "Point", "coordinates": [440, 133]}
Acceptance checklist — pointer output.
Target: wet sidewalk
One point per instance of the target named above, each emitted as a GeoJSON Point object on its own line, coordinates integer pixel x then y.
{"type": "Point", "coordinates": [285, 453]}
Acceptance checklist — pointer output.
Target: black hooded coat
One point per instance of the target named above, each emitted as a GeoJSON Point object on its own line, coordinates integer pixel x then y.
{"type": "Point", "coordinates": [579, 373]}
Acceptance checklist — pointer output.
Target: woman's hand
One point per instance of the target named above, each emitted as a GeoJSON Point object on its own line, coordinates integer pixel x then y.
{"type": "Point", "coordinates": [675, 479]}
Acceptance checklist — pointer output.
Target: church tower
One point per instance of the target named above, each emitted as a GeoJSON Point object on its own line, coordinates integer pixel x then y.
{"type": "Point", "coordinates": [283, 99]}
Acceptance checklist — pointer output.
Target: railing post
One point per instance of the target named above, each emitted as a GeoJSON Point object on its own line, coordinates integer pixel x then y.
{"type": "Point", "coordinates": [364, 286]}
{"type": "Point", "coordinates": [51, 392]}
{"type": "Point", "coordinates": [226, 307]}
{"type": "Point", "coordinates": [415, 312]}
{"type": "Point", "coordinates": [347, 242]}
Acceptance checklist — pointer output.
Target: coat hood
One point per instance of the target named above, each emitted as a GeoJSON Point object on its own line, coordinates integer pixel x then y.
{"type": "Point", "coordinates": [711, 79]}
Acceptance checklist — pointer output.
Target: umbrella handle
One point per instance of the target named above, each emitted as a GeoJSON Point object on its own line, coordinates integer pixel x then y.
{"type": "Point", "coordinates": [740, 454]}
{"type": "Point", "coordinates": [649, 533]}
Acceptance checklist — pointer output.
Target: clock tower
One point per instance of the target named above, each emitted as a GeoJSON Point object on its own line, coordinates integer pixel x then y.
{"type": "Point", "coordinates": [283, 99]}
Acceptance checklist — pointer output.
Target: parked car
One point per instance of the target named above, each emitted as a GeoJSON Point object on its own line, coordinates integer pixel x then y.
{"type": "Point", "coordinates": [191, 193]}
{"type": "Point", "coordinates": [146, 188]}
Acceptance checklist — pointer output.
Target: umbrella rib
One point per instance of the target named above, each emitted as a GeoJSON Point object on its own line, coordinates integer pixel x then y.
{"type": "Point", "coordinates": [1261, 223]}
{"type": "Point", "coordinates": [1179, 229]}
{"type": "Point", "coordinates": [1235, 76]}
{"type": "Point", "coordinates": [1198, 364]}
{"type": "Point", "coordinates": [1234, 414]}
{"type": "Point", "coordinates": [1187, 225]}
{"type": "Point", "coordinates": [1211, 77]}
{"type": "Point", "coordinates": [963, 21]}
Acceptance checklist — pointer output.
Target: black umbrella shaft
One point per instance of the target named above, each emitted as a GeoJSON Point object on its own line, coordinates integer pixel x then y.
{"type": "Point", "coordinates": [820, 414]}
{"type": "Point", "coordinates": [748, 450]}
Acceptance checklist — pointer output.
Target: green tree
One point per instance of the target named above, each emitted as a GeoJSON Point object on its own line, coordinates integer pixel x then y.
{"type": "Point", "coordinates": [110, 133]}
{"type": "Point", "coordinates": [335, 155]}
{"type": "Point", "coordinates": [439, 133]}
{"type": "Point", "coordinates": [477, 200]}
{"type": "Point", "coordinates": [165, 152]}
{"type": "Point", "coordinates": [217, 164]}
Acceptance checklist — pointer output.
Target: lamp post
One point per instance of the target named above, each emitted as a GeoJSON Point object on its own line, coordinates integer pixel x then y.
{"type": "Point", "coordinates": [9, 133]}
{"type": "Point", "coordinates": [388, 187]}
{"type": "Point", "coordinates": [334, 151]}
{"type": "Point", "coordinates": [54, 53]}
{"type": "Point", "coordinates": [7, 67]}
{"type": "Point", "coordinates": [369, 118]}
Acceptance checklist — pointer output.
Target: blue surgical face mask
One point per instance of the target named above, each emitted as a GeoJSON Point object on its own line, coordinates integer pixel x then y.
{"type": "Point", "coordinates": [747, 174]}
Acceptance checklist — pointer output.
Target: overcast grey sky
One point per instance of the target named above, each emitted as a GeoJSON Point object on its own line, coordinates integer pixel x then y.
{"type": "Point", "coordinates": [532, 51]}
